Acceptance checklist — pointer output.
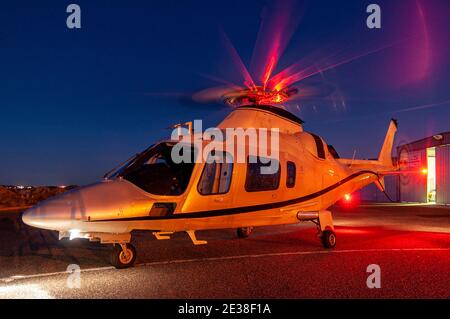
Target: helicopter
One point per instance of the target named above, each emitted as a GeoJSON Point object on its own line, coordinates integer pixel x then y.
{"type": "Point", "coordinates": [155, 192]}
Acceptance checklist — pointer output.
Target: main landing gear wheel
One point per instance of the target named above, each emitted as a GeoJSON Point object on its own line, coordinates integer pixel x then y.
{"type": "Point", "coordinates": [244, 232]}
{"type": "Point", "coordinates": [123, 256]}
{"type": "Point", "coordinates": [328, 238]}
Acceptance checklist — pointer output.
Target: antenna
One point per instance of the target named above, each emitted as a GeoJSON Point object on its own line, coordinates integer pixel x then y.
{"type": "Point", "coordinates": [353, 158]}
{"type": "Point", "coordinates": [180, 126]}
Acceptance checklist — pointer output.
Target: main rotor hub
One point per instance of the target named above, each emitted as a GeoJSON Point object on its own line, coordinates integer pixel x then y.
{"type": "Point", "coordinates": [258, 95]}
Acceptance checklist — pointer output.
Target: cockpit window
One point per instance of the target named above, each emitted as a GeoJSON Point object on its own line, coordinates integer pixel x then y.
{"type": "Point", "coordinates": [116, 171]}
{"type": "Point", "coordinates": [156, 173]}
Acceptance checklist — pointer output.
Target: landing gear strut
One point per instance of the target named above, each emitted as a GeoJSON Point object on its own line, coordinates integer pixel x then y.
{"type": "Point", "coordinates": [324, 223]}
{"type": "Point", "coordinates": [326, 229]}
{"type": "Point", "coordinates": [123, 255]}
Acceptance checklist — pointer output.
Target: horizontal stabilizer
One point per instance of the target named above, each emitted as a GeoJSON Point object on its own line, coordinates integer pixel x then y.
{"type": "Point", "coordinates": [384, 162]}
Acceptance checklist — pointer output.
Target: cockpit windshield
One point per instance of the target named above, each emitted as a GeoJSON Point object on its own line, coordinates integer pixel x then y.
{"type": "Point", "coordinates": [155, 172]}
{"type": "Point", "coordinates": [118, 169]}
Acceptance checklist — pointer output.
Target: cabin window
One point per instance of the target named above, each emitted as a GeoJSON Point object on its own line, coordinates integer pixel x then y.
{"type": "Point", "coordinates": [216, 175]}
{"type": "Point", "coordinates": [319, 145]}
{"type": "Point", "coordinates": [332, 151]}
{"type": "Point", "coordinates": [263, 174]}
{"type": "Point", "coordinates": [290, 174]}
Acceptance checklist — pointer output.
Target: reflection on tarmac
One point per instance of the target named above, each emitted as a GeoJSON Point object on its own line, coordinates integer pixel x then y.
{"type": "Point", "coordinates": [410, 243]}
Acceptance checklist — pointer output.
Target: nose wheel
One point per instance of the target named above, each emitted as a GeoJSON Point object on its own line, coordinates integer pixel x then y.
{"type": "Point", "coordinates": [123, 256]}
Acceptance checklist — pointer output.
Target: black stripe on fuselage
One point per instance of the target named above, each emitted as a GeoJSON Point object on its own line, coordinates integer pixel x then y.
{"type": "Point", "coordinates": [243, 209]}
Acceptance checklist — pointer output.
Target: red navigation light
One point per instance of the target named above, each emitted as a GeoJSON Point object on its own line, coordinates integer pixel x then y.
{"type": "Point", "coordinates": [347, 198]}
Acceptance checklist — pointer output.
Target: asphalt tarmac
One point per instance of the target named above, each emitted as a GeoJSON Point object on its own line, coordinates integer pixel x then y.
{"type": "Point", "coordinates": [410, 244]}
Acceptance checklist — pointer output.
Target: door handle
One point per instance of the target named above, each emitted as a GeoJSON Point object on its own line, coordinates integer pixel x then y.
{"type": "Point", "coordinates": [218, 200]}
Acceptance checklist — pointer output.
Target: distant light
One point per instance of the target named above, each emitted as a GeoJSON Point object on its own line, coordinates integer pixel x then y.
{"type": "Point", "coordinates": [424, 171]}
{"type": "Point", "coordinates": [347, 197]}
{"type": "Point", "coordinates": [62, 186]}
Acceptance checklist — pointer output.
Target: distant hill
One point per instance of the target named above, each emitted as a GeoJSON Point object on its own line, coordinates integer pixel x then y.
{"type": "Point", "coordinates": [27, 197]}
{"type": "Point", "coordinates": [9, 198]}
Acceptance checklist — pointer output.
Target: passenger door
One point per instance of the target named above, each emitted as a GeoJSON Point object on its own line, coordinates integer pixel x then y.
{"type": "Point", "coordinates": [214, 184]}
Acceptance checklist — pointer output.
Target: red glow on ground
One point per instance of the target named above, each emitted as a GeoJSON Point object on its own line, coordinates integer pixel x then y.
{"type": "Point", "coordinates": [351, 230]}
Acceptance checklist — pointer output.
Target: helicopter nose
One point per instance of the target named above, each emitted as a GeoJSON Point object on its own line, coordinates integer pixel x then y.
{"type": "Point", "coordinates": [76, 208]}
{"type": "Point", "coordinates": [61, 212]}
{"type": "Point", "coordinates": [29, 217]}
{"type": "Point", "coordinates": [51, 214]}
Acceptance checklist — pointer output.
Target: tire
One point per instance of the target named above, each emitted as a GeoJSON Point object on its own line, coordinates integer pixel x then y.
{"type": "Point", "coordinates": [118, 258]}
{"type": "Point", "coordinates": [244, 232]}
{"type": "Point", "coordinates": [328, 239]}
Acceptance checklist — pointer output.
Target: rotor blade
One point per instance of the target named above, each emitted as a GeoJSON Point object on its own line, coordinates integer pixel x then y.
{"type": "Point", "coordinates": [313, 91]}
{"type": "Point", "coordinates": [214, 94]}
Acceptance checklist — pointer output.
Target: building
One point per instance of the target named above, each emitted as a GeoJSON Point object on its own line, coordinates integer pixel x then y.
{"type": "Point", "coordinates": [426, 163]}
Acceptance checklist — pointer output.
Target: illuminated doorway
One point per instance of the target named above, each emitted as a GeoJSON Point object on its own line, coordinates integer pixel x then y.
{"type": "Point", "coordinates": [431, 176]}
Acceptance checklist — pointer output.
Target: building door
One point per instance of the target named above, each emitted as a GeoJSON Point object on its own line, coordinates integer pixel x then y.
{"type": "Point", "coordinates": [413, 184]}
{"type": "Point", "coordinates": [431, 175]}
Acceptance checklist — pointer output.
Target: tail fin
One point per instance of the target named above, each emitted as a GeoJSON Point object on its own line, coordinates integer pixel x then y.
{"type": "Point", "coordinates": [385, 156]}
{"type": "Point", "coordinates": [384, 161]}
{"type": "Point", "coordinates": [380, 167]}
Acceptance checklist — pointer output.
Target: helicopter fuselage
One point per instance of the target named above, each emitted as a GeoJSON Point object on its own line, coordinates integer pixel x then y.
{"type": "Point", "coordinates": [153, 193]}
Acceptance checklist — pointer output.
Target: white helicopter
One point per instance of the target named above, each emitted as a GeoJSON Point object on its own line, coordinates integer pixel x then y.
{"type": "Point", "coordinates": [152, 192]}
